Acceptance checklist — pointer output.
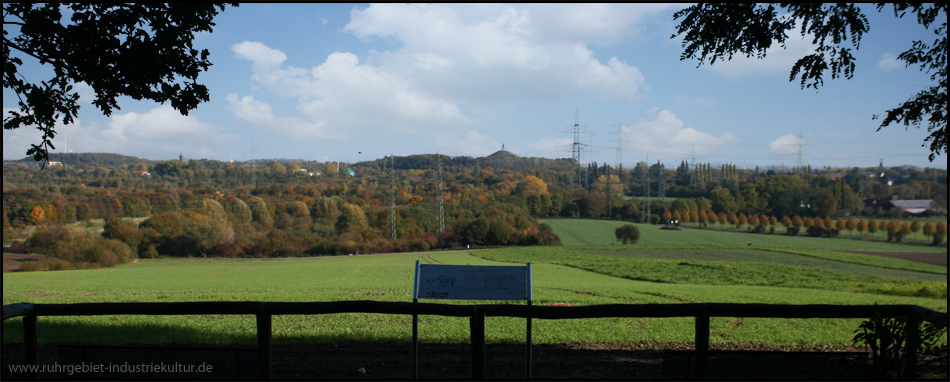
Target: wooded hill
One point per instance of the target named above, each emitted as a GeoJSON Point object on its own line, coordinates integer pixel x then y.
{"type": "Point", "coordinates": [271, 208]}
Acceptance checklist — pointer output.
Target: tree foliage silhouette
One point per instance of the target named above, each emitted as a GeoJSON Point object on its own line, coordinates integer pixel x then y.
{"type": "Point", "coordinates": [717, 31]}
{"type": "Point", "coordinates": [139, 50]}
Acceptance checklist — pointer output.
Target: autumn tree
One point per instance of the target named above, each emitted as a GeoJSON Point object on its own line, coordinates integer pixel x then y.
{"type": "Point", "coordinates": [915, 227]}
{"type": "Point", "coordinates": [212, 208]}
{"type": "Point", "coordinates": [786, 222]}
{"type": "Point", "coordinates": [140, 50]}
{"type": "Point", "coordinates": [718, 31]}
{"type": "Point", "coordinates": [352, 216]}
{"type": "Point", "coordinates": [531, 186]}
{"type": "Point", "coordinates": [37, 215]}
{"type": "Point", "coordinates": [608, 184]}
{"type": "Point", "coordinates": [809, 222]}
{"type": "Point", "coordinates": [929, 229]}
{"type": "Point", "coordinates": [259, 211]}
{"type": "Point", "coordinates": [850, 225]}
{"type": "Point", "coordinates": [755, 221]}
{"type": "Point", "coordinates": [841, 224]}
{"type": "Point", "coordinates": [733, 219]}
{"type": "Point", "coordinates": [940, 233]}
{"type": "Point", "coordinates": [125, 231]}
{"type": "Point", "coordinates": [238, 211]}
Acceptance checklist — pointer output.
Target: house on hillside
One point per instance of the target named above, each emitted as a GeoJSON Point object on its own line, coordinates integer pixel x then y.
{"type": "Point", "coordinates": [913, 207]}
{"type": "Point", "coordinates": [916, 207]}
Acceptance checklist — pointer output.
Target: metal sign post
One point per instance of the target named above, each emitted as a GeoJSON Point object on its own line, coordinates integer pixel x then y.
{"type": "Point", "coordinates": [471, 282]}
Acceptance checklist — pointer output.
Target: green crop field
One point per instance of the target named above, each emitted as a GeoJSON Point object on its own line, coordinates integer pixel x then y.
{"type": "Point", "coordinates": [683, 266]}
{"type": "Point", "coordinates": [601, 232]}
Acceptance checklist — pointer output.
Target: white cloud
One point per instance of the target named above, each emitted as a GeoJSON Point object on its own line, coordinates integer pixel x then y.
{"type": "Point", "coordinates": [450, 67]}
{"type": "Point", "coordinates": [889, 62]}
{"type": "Point", "coordinates": [157, 133]}
{"type": "Point", "coordinates": [666, 134]}
{"type": "Point", "coordinates": [342, 94]}
{"type": "Point", "coordinates": [786, 144]}
{"type": "Point", "coordinates": [262, 56]}
{"type": "Point", "coordinates": [267, 66]}
{"type": "Point", "coordinates": [471, 143]}
{"type": "Point", "coordinates": [260, 114]}
{"type": "Point", "coordinates": [86, 93]}
{"type": "Point", "coordinates": [499, 52]}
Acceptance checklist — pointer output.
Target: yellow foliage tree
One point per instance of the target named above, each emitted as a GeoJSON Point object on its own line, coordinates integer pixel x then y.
{"type": "Point", "coordinates": [37, 214]}
{"type": "Point", "coordinates": [613, 182]}
{"type": "Point", "coordinates": [533, 185]}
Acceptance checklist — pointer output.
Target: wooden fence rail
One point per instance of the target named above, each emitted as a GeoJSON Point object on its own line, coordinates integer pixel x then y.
{"type": "Point", "coordinates": [264, 311]}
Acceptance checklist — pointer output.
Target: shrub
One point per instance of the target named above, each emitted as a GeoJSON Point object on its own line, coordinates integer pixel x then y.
{"type": "Point", "coordinates": [887, 338]}
{"type": "Point", "coordinates": [109, 252]}
{"type": "Point", "coordinates": [628, 234]}
{"type": "Point", "coordinates": [938, 238]}
{"type": "Point", "coordinates": [822, 232]}
{"type": "Point", "coordinates": [124, 231]}
{"type": "Point", "coordinates": [898, 236]}
{"type": "Point", "coordinates": [47, 264]}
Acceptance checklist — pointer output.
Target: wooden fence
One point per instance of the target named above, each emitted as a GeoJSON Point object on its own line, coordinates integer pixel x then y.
{"type": "Point", "coordinates": [264, 311]}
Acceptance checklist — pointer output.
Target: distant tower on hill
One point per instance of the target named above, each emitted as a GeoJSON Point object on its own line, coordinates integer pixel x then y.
{"type": "Point", "coordinates": [181, 157]}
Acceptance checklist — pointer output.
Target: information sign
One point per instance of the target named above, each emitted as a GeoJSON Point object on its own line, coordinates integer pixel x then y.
{"type": "Point", "coordinates": [472, 282]}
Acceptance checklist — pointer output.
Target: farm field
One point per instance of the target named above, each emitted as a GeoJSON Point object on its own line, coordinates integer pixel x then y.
{"type": "Point", "coordinates": [683, 266]}
{"type": "Point", "coordinates": [389, 278]}
{"type": "Point", "coordinates": [601, 232]}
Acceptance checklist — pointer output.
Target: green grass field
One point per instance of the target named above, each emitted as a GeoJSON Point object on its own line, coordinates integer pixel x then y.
{"type": "Point", "coordinates": [601, 232]}
{"type": "Point", "coordinates": [665, 267]}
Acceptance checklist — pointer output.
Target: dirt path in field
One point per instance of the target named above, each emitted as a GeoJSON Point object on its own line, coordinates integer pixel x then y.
{"type": "Point", "coordinates": [920, 257]}
{"type": "Point", "coordinates": [12, 262]}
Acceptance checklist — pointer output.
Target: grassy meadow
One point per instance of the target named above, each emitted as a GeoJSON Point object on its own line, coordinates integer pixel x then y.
{"type": "Point", "coordinates": [601, 232]}
{"type": "Point", "coordinates": [681, 266]}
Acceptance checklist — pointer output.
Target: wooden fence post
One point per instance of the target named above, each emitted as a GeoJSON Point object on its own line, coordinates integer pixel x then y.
{"type": "Point", "coordinates": [264, 335]}
{"type": "Point", "coordinates": [702, 333]}
{"type": "Point", "coordinates": [702, 342]}
{"type": "Point", "coordinates": [31, 344]}
{"type": "Point", "coordinates": [477, 326]}
{"type": "Point", "coordinates": [527, 362]}
{"type": "Point", "coordinates": [415, 342]}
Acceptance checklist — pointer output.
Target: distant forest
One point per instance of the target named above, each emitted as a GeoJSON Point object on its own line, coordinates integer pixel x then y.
{"type": "Point", "coordinates": [286, 208]}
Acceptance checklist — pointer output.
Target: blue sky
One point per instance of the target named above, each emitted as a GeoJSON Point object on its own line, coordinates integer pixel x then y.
{"type": "Point", "coordinates": [345, 82]}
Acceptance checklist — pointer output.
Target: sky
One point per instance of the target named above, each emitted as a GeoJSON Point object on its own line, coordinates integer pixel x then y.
{"type": "Point", "coordinates": [357, 82]}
